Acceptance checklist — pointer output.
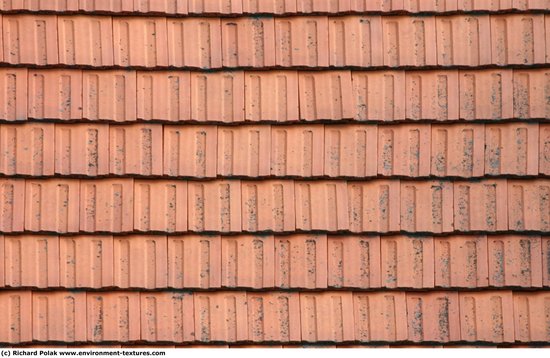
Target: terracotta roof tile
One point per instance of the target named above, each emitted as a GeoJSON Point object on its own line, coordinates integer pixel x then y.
{"type": "Point", "coordinates": [111, 316]}
{"type": "Point", "coordinates": [167, 317]}
{"type": "Point", "coordinates": [86, 261]}
{"type": "Point", "coordinates": [160, 206]}
{"type": "Point", "coordinates": [14, 95]}
{"type": "Point", "coordinates": [18, 316]}
{"type": "Point", "coordinates": [248, 42]}
{"type": "Point", "coordinates": [163, 95]}
{"type": "Point", "coordinates": [55, 94]}
{"type": "Point", "coordinates": [244, 151]}
{"type": "Point", "coordinates": [194, 42]}
{"type": "Point", "coordinates": [530, 321]}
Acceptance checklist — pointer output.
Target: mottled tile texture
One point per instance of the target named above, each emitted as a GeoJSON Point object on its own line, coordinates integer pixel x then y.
{"type": "Point", "coordinates": [274, 173]}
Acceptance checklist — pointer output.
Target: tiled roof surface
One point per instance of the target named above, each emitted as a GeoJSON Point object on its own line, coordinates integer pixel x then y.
{"type": "Point", "coordinates": [331, 173]}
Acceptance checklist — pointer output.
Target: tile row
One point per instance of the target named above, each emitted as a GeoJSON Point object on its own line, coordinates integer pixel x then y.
{"type": "Point", "coordinates": [314, 41]}
{"type": "Point", "coordinates": [281, 96]}
{"type": "Point", "coordinates": [305, 151]}
{"type": "Point", "coordinates": [298, 261]}
{"type": "Point", "coordinates": [225, 7]}
{"type": "Point", "coordinates": [331, 316]}
{"type": "Point", "coordinates": [127, 205]}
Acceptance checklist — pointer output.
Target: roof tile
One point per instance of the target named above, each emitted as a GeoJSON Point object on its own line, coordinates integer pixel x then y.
{"type": "Point", "coordinates": [244, 151]}
{"type": "Point", "coordinates": [321, 205]}
{"type": "Point", "coordinates": [486, 316]}
{"type": "Point", "coordinates": [52, 205]}
{"type": "Point", "coordinates": [55, 94]}
{"type": "Point", "coordinates": [12, 205]}
{"type": "Point", "coordinates": [13, 82]}
{"type": "Point", "coordinates": [432, 95]}
{"type": "Point", "coordinates": [353, 261]}
{"type": "Point", "coordinates": [515, 261]}
{"type": "Point", "coordinates": [86, 261]}
{"type": "Point", "coordinates": [530, 321]}
{"type": "Point", "coordinates": [22, 46]}
{"type": "Point", "coordinates": [113, 316]}
{"type": "Point", "coordinates": [181, 143]}
{"type": "Point", "coordinates": [248, 42]}
{"type": "Point", "coordinates": [59, 316]}
{"type": "Point", "coordinates": [248, 261]}
{"type": "Point", "coordinates": [163, 95]}
{"type": "Point", "coordinates": [302, 41]}
{"type": "Point", "coordinates": [194, 261]}
{"type": "Point", "coordinates": [407, 261]}
{"type": "Point", "coordinates": [274, 316]}
{"type": "Point", "coordinates": [300, 261]}
{"type": "Point", "coordinates": [167, 317]}
{"type": "Point", "coordinates": [140, 41]}
{"type": "Point", "coordinates": [379, 316]}
{"type": "Point", "coordinates": [379, 95]}
{"type": "Point", "coordinates": [160, 206]}
{"type": "Point", "coordinates": [529, 205]}
{"type": "Point", "coordinates": [461, 261]}
{"type": "Point", "coordinates": [325, 95]}
{"type": "Point", "coordinates": [17, 315]}
{"type": "Point", "coordinates": [433, 316]}
{"type": "Point", "coordinates": [23, 254]}
{"type": "Point", "coordinates": [194, 42]}
{"type": "Point", "coordinates": [374, 206]}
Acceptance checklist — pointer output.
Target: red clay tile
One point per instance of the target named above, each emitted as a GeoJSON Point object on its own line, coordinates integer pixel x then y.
{"type": "Point", "coordinates": [163, 95]}
{"type": "Point", "coordinates": [271, 96]}
{"type": "Point", "coordinates": [221, 316]}
{"type": "Point", "coordinates": [486, 94]}
{"type": "Point", "coordinates": [136, 149]}
{"type": "Point", "coordinates": [301, 41]}
{"type": "Point", "coordinates": [531, 324]}
{"type": "Point", "coordinates": [3, 257]}
{"type": "Point", "coordinates": [301, 261]}
{"type": "Point", "coordinates": [529, 205]}
{"type": "Point", "coordinates": [217, 96]}
{"type": "Point", "coordinates": [374, 206]}
{"type": "Point", "coordinates": [179, 7]}
{"type": "Point", "coordinates": [545, 241]}
{"type": "Point", "coordinates": [518, 39]}
{"type": "Point", "coordinates": [55, 94]}
{"type": "Point", "coordinates": [244, 150]}
{"type": "Point", "coordinates": [433, 316]}
{"type": "Point", "coordinates": [432, 95]}
{"type": "Point", "coordinates": [12, 205]}
{"type": "Point", "coordinates": [42, 5]}
{"type": "Point", "coordinates": [214, 206]}
{"type": "Point", "coordinates": [431, 5]}
{"type": "Point", "coordinates": [480, 206]}
{"type": "Point", "coordinates": [24, 254]}
{"type": "Point", "coordinates": [297, 150]}
{"type": "Point", "coordinates": [269, 6]}
{"type": "Point", "coordinates": [140, 41]}
{"type": "Point", "coordinates": [273, 316]}
{"type": "Point", "coordinates": [30, 39]}
{"type": "Point", "coordinates": [458, 150]}
{"type": "Point", "coordinates": [354, 261]}
{"type": "Point", "coordinates": [93, 43]}
{"type": "Point", "coordinates": [195, 42]}
{"type": "Point", "coordinates": [463, 40]}
{"type": "Point", "coordinates": [248, 42]}
{"type": "Point", "coordinates": [531, 88]}
{"type": "Point", "coordinates": [515, 261]}
{"type": "Point", "coordinates": [106, 205]}
{"type": "Point", "coordinates": [16, 316]}
{"type": "Point", "coordinates": [167, 317]}
{"type": "Point", "coordinates": [82, 149]}
{"type": "Point", "coordinates": [13, 96]}
{"type": "Point", "coordinates": [140, 261]}
{"type": "Point", "coordinates": [27, 149]}
{"type": "Point", "coordinates": [247, 261]}
{"type": "Point", "coordinates": [461, 261]}
{"type": "Point", "coordinates": [351, 151]}
{"type": "Point", "coordinates": [486, 316]}
{"type": "Point", "coordinates": [426, 206]}
{"type": "Point", "coordinates": [404, 150]}
{"type": "Point", "coordinates": [160, 206]}
{"type": "Point", "coordinates": [380, 316]}
{"type": "Point", "coordinates": [106, 5]}
{"type": "Point", "coordinates": [407, 261]}
{"type": "Point", "coordinates": [354, 39]}
{"type": "Point", "coordinates": [331, 6]}
{"type": "Point", "coordinates": [194, 261]}
{"type": "Point", "coordinates": [327, 316]}
{"type": "Point", "coordinates": [215, 7]}
{"type": "Point", "coordinates": [409, 41]}
{"type": "Point", "coordinates": [379, 96]}
{"type": "Point", "coordinates": [86, 261]}
{"type": "Point", "coordinates": [544, 149]}
{"type": "Point", "coordinates": [321, 205]}
{"type": "Point", "coordinates": [59, 316]}
{"type": "Point", "coordinates": [325, 95]}
{"type": "Point", "coordinates": [184, 142]}
{"type": "Point", "coordinates": [109, 95]}
{"type": "Point", "coordinates": [268, 205]}
{"type": "Point", "coordinates": [52, 205]}
{"type": "Point", "coordinates": [512, 149]}
{"type": "Point", "coordinates": [113, 316]}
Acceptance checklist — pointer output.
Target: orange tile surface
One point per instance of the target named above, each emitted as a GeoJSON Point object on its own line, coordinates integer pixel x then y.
{"type": "Point", "coordinates": [274, 173]}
